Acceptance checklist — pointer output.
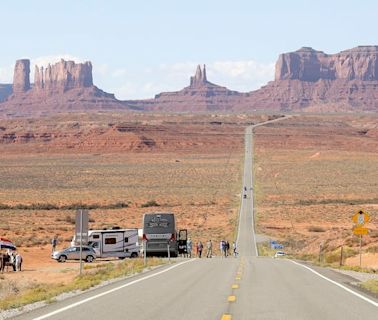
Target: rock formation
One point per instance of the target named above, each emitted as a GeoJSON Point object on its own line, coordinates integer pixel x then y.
{"type": "Point", "coordinates": [307, 64]}
{"type": "Point", "coordinates": [200, 95]}
{"type": "Point", "coordinates": [61, 87]}
{"type": "Point", "coordinates": [21, 80]}
{"type": "Point", "coordinates": [310, 80]}
{"type": "Point", "coordinates": [63, 76]}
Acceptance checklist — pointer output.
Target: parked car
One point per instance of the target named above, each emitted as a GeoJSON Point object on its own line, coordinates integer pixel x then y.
{"type": "Point", "coordinates": [279, 254]}
{"type": "Point", "coordinates": [73, 253]}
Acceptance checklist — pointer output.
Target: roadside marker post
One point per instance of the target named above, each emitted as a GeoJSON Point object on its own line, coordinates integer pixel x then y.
{"type": "Point", "coordinates": [169, 253]}
{"type": "Point", "coordinates": [145, 252]}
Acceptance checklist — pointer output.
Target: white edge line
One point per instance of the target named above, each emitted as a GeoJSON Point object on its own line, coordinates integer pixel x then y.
{"type": "Point", "coordinates": [338, 284]}
{"type": "Point", "coordinates": [252, 196]}
{"type": "Point", "coordinates": [73, 305]}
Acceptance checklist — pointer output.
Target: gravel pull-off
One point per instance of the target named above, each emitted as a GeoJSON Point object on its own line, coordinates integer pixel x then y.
{"type": "Point", "coordinates": [360, 276]}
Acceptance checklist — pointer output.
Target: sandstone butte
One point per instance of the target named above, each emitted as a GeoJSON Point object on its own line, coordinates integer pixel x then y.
{"type": "Point", "coordinates": [305, 80]}
{"type": "Point", "coordinates": [64, 86]}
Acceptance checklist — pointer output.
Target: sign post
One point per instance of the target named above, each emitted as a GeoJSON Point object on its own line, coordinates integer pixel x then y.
{"type": "Point", "coordinates": [145, 252]}
{"type": "Point", "coordinates": [360, 218]}
{"type": "Point", "coordinates": [81, 232]}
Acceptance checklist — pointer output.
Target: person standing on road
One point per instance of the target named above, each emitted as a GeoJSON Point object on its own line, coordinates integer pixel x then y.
{"type": "Point", "coordinates": [221, 248]}
{"type": "Point", "coordinates": [189, 247]}
{"type": "Point", "coordinates": [227, 248]}
{"type": "Point", "coordinates": [224, 248]}
{"type": "Point", "coordinates": [199, 249]}
{"type": "Point", "coordinates": [209, 252]}
{"type": "Point", "coordinates": [234, 249]}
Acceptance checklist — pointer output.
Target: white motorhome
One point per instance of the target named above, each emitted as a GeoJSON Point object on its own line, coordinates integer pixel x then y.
{"type": "Point", "coordinates": [121, 243]}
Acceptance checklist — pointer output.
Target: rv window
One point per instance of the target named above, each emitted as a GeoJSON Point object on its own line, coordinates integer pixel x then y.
{"type": "Point", "coordinates": [126, 239]}
{"type": "Point", "coordinates": [96, 236]}
{"type": "Point", "coordinates": [110, 241]}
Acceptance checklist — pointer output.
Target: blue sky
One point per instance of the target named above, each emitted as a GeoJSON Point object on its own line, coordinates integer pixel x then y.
{"type": "Point", "coordinates": [140, 48]}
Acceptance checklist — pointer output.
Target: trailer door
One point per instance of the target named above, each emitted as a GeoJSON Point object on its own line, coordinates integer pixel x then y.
{"type": "Point", "coordinates": [112, 242]}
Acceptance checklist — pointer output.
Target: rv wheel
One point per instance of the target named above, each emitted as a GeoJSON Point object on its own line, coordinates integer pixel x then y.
{"type": "Point", "coordinates": [62, 259]}
{"type": "Point", "coordinates": [89, 259]}
{"type": "Point", "coordinates": [134, 255]}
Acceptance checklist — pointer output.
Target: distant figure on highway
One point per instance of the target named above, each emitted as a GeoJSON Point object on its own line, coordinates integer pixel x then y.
{"type": "Point", "coordinates": [227, 248]}
{"type": "Point", "coordinates": [199, 249]}
{"type": "Point", "coordinates": [221, 247]}
{"type": "Point", "coordinates": [54, 242]}
{"type": "Point", "coordinates": [209, 252]}
{"type": "Point", "coordinates": [189, 247]}
{"type": "Point", "coordinates": [234, 249]}
{"type": "Point", "coordinates": [18, 262]}
{"type": "Point", "coordinates": [245, 188]}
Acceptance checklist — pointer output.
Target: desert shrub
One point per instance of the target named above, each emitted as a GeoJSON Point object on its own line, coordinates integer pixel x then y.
{"type": "Point", "coordinates": [316, 229]}
{"type": "Point", "coordinates": [151, 203]}
{"type": "Point", "coordinates": [371, 285]}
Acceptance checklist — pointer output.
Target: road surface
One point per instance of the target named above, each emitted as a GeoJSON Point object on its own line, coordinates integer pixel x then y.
{"type": "Point", "coordinates": [247, 287]}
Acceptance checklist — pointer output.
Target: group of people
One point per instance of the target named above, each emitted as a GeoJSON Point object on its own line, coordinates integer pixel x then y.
{"type": "Point", "coordinates": [224, 247]}
{"type": "Point", "coordinates": [13, 259]}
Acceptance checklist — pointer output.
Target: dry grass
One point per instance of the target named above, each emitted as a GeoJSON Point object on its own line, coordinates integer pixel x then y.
{"type": "Point", "coordinates": [312, 174]}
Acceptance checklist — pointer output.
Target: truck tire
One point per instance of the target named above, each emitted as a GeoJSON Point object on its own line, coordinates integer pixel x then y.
{"type": "Point", "coordinates": [134, 255]}
{"type": "Point", "coordinates": [89, 259]}
{"type": "Point", "coordinates": [62, 258]}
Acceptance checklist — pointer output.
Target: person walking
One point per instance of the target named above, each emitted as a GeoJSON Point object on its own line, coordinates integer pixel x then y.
{"type": "Point", "coordinates": [209, 252]}
{"type": "Point", "coordinates": [189, 248]}
{"type": "Point", "coordinates": [199, 249]}
{"type": "Point", "coordinates": [227, 248]}
{"type": "Point", "coordinates": [234, 249]}
{"type": "Point", "coordinates": [18, 262]}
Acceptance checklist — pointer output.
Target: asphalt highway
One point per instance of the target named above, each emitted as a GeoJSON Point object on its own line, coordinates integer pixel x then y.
{"type": "Point", "coordinates": [246, 287]}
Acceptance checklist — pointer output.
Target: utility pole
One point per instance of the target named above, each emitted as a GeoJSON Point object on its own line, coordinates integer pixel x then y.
{"type": "Point", "coordinates": [81, 241]}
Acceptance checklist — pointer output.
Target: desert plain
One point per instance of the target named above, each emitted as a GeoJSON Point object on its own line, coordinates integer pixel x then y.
{"type": "Point", "coordinates": [312, 172]}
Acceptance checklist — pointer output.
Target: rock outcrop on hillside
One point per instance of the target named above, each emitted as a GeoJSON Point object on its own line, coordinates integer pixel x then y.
{"type": "Point", "coordinates": [200, 95]}
{"type": "Point", "coordinates": [62, 87]}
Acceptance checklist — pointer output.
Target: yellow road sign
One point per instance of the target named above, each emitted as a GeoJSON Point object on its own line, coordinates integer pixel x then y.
{"type": "Point", "coordinates": [360, 218]}
{"type": "Point", "coordinates": [360, 230]}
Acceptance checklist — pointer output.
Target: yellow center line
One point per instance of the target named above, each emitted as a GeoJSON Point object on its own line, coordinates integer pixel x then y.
{"type": "Point", "coordinates": [231, 298]}
{"type": "Point", "coordinates": [226, 317]}
{"type": "Point", "coordinates": [235, 286]}
{"type": "Point", "coordinates": [237, 278]}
